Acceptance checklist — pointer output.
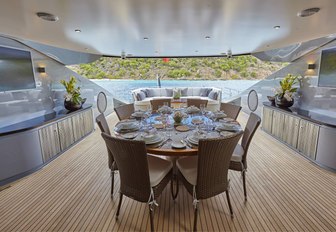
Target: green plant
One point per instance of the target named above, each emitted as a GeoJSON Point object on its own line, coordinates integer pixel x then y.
{"type": "Point", "coordinates": [286, 89]}
{"type": "Point", "coordinates": [73, 93]}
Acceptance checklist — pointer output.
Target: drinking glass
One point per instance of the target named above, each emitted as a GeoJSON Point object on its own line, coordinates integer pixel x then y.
{"type": "Point", "coordinates": [169, 129]}
{"type": "Point", "coordinates": [202, 108]}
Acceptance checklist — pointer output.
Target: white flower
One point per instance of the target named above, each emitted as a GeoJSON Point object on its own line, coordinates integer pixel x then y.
{"type": "Point", "coordinates": [288, 95]}
{"type": "Point", "coordinates": [68, 96]}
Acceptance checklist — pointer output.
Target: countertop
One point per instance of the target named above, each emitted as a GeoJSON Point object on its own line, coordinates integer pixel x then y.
{"type": "Point", "coordinates": [39, 121]}
{"type": "Point", "coordinates": [314, 117]}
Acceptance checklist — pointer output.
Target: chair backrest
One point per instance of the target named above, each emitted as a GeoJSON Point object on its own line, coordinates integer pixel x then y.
{"type": "Point", "coordinates": [159, 102]}
{"type": "Point", "coordinates": [131, 159]}
{"type": "Point", "coordinates": [124, 111]}
{"type": "Point", "coordinates": [214, 157]}
{"type": "Point", "coordinates": [251, 127]}
{"type": "Point", "coordinates": [103, 126]}
{"type": "Point", "coordinates": [232, 111]}
{"type": "Point", "coordinates": [196, 102]}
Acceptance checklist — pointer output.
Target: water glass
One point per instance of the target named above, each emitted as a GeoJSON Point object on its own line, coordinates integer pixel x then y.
{"type": "Point", "coordinates": [202, 108]}
{"type": "Point", "coordinates": [169, 129]}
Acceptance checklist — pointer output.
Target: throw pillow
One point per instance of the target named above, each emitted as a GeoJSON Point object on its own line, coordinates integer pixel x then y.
{"type": "Point", "coordinates": [149, 93]}
{"type": "Point", "coordinates": [140, 96]}
{"type": "Point", "coordinates": [169, 92]}
{"type": "Point", "coordinates": [184, 92]}
{"type": "Point", "coordinates": [213, 95]}
{"type": "Point", "coordinates": [205, 92]}
{"type": "Point", "coordinates": [145, 91]}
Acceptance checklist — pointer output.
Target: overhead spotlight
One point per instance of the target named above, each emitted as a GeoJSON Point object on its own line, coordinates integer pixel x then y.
{"type": "Point", "coordinates": [78, 30]}
{"type": "Point", "coordinates": [308, 12]}
{"type": "Point", "coordinates": [207, 37]}
{"type": "Point", "coordinates": [145, 38]}
{"type": "Point", "coordinates": [276, 27]}
{"type": "Point", "coordinates": [47, 16]}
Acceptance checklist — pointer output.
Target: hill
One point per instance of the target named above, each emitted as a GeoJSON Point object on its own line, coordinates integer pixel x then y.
{"type": "Point", "coordinates": [241, 67]}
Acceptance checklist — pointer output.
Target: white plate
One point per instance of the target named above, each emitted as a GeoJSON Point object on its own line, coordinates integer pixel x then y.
{"type": "Point", "coordinates": [153, 140]}
{"type": "Point", "coordinates": [129, 135]}
{"type": "Point", "coordinates": [178, 144]}
{"type": "Point", "coordinates": [127, 125]}
{"type": "Point", "coordinates": [192, 140]}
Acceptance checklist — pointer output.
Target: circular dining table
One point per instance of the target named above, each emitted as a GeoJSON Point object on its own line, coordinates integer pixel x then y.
{"type": "Point", "coordinates": [168, 130]}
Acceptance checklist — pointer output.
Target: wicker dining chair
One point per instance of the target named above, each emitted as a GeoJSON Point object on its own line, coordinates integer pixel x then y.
{"type": "Point", "coordinates": [196, 102]}
{"type": "Point", "coordinates": [103, 126]}
{"type": "Point", "coordinates": [156, 103]}
{"type": "Point", "coordinates": [206, 175]}
{"type": "Point", "coordinates": [238, 160]}
{"type": "Point", "coordinates": [142, 177]}
{"type": "Point", "coordinates": [231, 110]}
{"type": "Point", "coordinates": [124, 111]}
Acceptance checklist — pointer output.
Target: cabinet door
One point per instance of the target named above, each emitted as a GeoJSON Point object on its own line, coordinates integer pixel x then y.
{"type": "Point", "coordinates": [66, 134]}
{"type": "Point", "coordinates": [291, 130]}
{"type": "Point", "coordinates": [308, 136]}
{"type": "Point", "coordinates": [88, 121]}
{"type": "Point", "coordinates": [49, 140]}
{"type": "Point", "coordinates": [278, 124]}
{"type": "Point", "coordinates": [78, 126]}
{"type": "Point", "coordinates": [267, 119]}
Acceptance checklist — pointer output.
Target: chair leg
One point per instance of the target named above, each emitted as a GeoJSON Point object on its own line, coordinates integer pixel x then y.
{"type": "Point", "coordinates": [244, 184]}
{"type": "Point", "coordinates": [112, 183]}
{"type": "Point", "coordinates": [151, 218]}
{"type": "Point", "coordinates": [229, 202]}
{"type": "Point", "coordinates": [174, 195]}
{"type": "Point", "coordinates": [195, 217]}
{"type": "Point", "coordinates": [119, 205]}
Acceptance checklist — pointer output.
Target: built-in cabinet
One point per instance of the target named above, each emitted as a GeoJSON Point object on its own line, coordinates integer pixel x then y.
{"type": "Point", "coordinates": [296, 132]}
{"type": "Point", "coordinates": [308, 138]}
{"type": "Point", "coordinates": [58, 136]}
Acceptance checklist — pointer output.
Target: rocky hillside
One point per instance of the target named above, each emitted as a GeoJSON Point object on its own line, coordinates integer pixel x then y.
{"type": "Point", "coordinates": [242, 67]}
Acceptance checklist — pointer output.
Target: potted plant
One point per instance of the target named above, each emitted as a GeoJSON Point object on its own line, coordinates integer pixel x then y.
{"type": "Point", "coordinates": [178, 116]}
{"type": "Point", "coordinates": [284, 95]}
{"type": "Point", "coordinates": [72, 100]}
{"type": "Point", "coordinates": [176, 94]}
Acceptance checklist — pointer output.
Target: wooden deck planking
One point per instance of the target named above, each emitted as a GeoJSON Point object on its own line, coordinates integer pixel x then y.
{"type": "Point", "coordinates": [285, 193]}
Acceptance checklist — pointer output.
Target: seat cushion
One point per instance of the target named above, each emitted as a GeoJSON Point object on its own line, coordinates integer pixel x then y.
{"type": "Point", "coordinates": [188, 168]}
{"type": "Point", "coordinates": [238, 153]}
{"type": "Point", "coordinates": [158, 169]}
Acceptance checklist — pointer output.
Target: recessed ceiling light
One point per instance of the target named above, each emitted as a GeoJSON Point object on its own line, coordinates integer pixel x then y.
{"type": "Point", "coordinates": [196, 50]}
{"type": "Point", "coordinates": [308, 12]}
{"type": "Point", "coordinates": [47, 16]}
{"type": "Point", "coordinates": [156, 51]}
{"type": "Point", "coordinates": [207, 37]}
{"type": "Point", "coordinates": [145, 38]}
{"type": "Point", "coordinates": [276, 27]}
{"type": "Point", "coordinates": [78, 30]}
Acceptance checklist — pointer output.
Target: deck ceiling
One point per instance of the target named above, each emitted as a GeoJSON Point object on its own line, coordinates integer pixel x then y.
{"type": "Point", "coordinates": [173, 27]}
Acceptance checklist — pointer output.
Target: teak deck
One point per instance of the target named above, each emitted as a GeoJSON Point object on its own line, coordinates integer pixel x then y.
{"type": "Point", "coordinates": [285, 192]}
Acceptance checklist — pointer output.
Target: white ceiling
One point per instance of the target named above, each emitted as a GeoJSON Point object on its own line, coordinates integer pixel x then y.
{"type": "Point", "coordinates": [173, 27]}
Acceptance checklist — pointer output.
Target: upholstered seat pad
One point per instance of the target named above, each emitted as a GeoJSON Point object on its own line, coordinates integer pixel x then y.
{"type": "Point", "coordinates": [238, 153]}
{"type": "Point", "coordinates": [188, 168]}
{"type": "Point", "coordinates": [158, 169]}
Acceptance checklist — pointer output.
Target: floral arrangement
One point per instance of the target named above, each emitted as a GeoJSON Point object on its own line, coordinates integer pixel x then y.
{"type": "Point", "coordinates": [178, 116]}
{"type": "Point", "coordinates": [73, 93]}
{"type": "Point", "coordinates": [176, 94]}
{"type": "Point", "coordinates": [286, 89]}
